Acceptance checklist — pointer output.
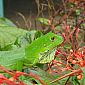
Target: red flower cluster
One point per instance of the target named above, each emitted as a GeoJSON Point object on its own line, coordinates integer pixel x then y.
{"type": "Point", "coordinates": [77, 57]}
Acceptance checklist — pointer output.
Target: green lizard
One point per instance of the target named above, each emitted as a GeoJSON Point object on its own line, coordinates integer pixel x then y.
{"type": "Point", "coordinates": [32, 53]}
{"type": "Point", "coordinates": [43, 45]}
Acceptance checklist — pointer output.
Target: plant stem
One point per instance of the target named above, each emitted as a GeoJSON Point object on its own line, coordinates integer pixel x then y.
{"type": "Point", "coordinates": [5, 70]}
{"type": "Point", "coordinates": [67, 80]}
{"type": "Point", "coordinates": [66, 75]}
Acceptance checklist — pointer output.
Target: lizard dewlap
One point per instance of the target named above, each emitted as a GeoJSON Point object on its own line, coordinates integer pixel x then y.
{"type": "Point", "coordinates": [41, 47]}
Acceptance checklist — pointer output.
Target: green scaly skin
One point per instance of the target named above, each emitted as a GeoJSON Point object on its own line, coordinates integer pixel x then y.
{"type": "Point", "coordinates": [45, 43]}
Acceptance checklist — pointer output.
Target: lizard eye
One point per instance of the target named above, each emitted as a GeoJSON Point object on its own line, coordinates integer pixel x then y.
{"type": "Point", "coordinates": [52, 38]}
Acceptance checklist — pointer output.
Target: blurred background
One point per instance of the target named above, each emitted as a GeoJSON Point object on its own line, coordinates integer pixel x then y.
{"type": "Point", "coordinates": [29, 9]}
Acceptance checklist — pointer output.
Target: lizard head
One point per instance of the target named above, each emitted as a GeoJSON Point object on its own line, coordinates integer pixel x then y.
{"type": "Point", "coordinates": [54, 39]}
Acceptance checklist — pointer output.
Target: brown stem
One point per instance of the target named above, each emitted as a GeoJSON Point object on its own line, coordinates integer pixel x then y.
{"type": "Point", "coordinates": [66, 75]}
{"type": "Point", "coordinates": [5, 70]}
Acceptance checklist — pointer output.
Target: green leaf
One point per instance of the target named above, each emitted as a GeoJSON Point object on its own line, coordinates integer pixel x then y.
{"type": "Point", "coordinates": [69, 4]}
{"type": "Point", "coordinates": [38, 34]}
{"type": "Point", "coordinates": [8, 35]}
{"type": "Point", "coordinates": [78, 11]}
{"type": "Point", "coordinates": [62, 81]}
{"type": "Point", "coordinates": [83, 69]}
{"type": "Point", "coordinates": [45, 76]}
{"type": "Point", "coordinates": [18, 65]}
{"type": "Point", "coordinates": [8, 47]}
{"type": "Point", "coordinates": [10, 58]}
{"type": "Point", "coordinates": [82, 81]}
{"type": "Point", "coordinates": [28, 38]}
{"type": "Point", "coordinates": [74, 80]}
{"type": "Point", "coordinates": [43, 21]}
{"type": "Point", "coordinates": [6, 22]}
{"type": "Point", "coordinates": [58, 27]}
{"type": "Point", "coordinates": [26, 80]}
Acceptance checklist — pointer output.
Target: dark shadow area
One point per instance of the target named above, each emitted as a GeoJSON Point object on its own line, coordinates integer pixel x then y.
{"type": "Point", "coordinates": [28, 8]}
{"type": "Point", "coordinates": [23, 6]}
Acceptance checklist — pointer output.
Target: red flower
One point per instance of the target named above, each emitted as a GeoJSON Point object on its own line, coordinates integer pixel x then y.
{"type": "Point", "coordinates": [57, 52]}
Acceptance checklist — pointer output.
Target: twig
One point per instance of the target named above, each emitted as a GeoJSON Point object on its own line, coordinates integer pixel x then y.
{"type": "Point", "coordinates": [67, 80]}
{"type": "Point", "coordinates": [5, 70]}
{"type": "Point", "coordinates": [66, 75]}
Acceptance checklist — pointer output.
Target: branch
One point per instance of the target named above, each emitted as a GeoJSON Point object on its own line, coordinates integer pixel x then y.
{"type": "Point", "coordinates": [66, 75]}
